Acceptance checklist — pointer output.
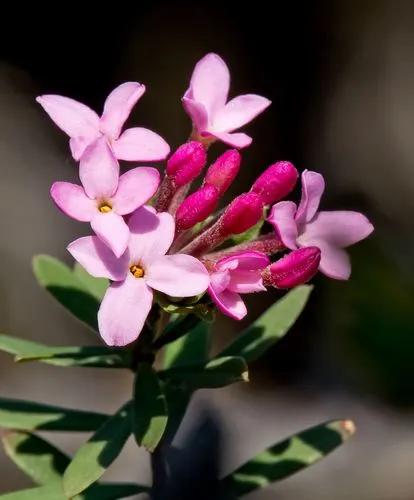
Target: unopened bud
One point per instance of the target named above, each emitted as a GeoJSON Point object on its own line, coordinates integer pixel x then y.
{"type": "Point", "coordinates": [224, 170]}
{"type": "Point", "coordinates": [186, 163]}
{"type": "Point", "coordinates": [293, 269]}
{"type": "Point", "coordinates": [196, 207]}
{"type": "Point", "coordinates": [276, 182]}
{"type": "Point", "coordinates": [242, 213]}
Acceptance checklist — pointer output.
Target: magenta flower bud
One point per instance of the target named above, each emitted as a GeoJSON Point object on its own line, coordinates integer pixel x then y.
{"type": "Point", "coordinates": [186, 163]}
{"type": "Point", "coordinates": [224, 170]}
{"type": "Point", "coordinates": [276, 182]}
{"type": "Point", "coordinates": [196, 207]}
{"type": "Point", "coordinates": [242, 213]}
{"type": "Point", "coordinates": [294, 268]}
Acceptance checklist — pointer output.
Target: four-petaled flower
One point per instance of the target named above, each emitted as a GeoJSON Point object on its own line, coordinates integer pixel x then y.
{"type": "Point", "coordinates": [106, 196]}
{"type": "Point", "coordinates": [330, 231]}
{"type": "Point", "coordinates": [206, 103]}
{"type": "Point", "coordinates": [144, 267]}
{"type": "Point", "coordinates": [84, 126]}
{"type": "Point", "coordinates": [234, 275]}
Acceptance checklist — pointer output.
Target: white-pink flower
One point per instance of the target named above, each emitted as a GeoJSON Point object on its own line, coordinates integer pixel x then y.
{"type": "Point", "coordinates": [105, 196]}
{"type": "Point", "coordinates": [206, 103]}
{"type": "Point", "coordinates": [234, 275]}
{"type": "Point", "coordinates": [144, 267]}
{"type": "Point", "coordinates": [84, 126]}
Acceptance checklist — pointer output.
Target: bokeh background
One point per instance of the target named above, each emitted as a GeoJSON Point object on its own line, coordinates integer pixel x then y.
{"type": "Point", "coordinates": [341, 77]}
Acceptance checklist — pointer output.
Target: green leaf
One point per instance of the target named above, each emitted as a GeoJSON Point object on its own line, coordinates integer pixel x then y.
{"type": "Point", "coordinates": [26, 415]}
{"type": "Point", "coordinates": [178, 327]}
{"type": "Point", "coordinates": [202, 309]}
{"type": "Point", "coordinates": [50, 492]}
{"type": "Point", "coordinates": [70, 291]}
{"type": "Point", "coordinates": [150, 414]}
{"type": "Point", "coordinates": [190, 349]}
{"type": "Point", "coordinates": [37, 458]}
{"type": "Point", "coordinates": [217, 373]}
{"type": "Point", "coordinates": [288, 457]}
{"type": "Point", "coordinates": [88, 356]}
{"type": "Point", "coordinates": [98, 453]}
{"type": "Point", "coordinates": [270, 327]}
{"type": "Point", "coordinates": [96, 286]}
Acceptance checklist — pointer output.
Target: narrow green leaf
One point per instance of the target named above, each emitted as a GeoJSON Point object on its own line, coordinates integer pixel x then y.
{"type": "Point", "coordinates": [87, 356]}
{"type": "Point", "coordinates": [270, 327]}
{"type": "Point", "coordinates": [218, 372]}
{"type": "Point", "coordinates": [96, 286]}
{"type": "Point", "coordinates": [288, 457]}
{"type": "Point", "coordinates": [37, 458]}
{"type": "Point", "coordinates": [97, 454]}
{"type": "Point", "coordinates": [49, 492]}
{"type": "Point", "coordinates": [181, 325]}
{"type": "Point", "coordinates": [61, 282]}
{"type": "Point", "coordinates": [27, 415]}
{"type": "Point", "coordinates": [150, 414]}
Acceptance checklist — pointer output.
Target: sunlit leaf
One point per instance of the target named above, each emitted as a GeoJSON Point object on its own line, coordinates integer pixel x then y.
{"type": "Point", "coordinates": [96, 286]}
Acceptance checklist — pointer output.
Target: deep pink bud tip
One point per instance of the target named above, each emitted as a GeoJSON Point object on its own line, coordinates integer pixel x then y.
{"type": "Point", "coordinates": [276, 182]}
{"type": "Point", "coordinates": [224, 170]}
{"type": "Point", "coordinates": [186, 163]}
{"type": "Point", "coordinates": [196, 207]}
{"type": "Point", "coordinates": [242, 213]}
{"type": "Point", "coordinates": [294, 268]}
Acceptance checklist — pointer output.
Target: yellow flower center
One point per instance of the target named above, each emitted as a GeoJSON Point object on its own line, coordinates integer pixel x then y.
{"type": "Point", "coordinates": [105, 207]}
{"type": "Point", "coordinates": [136, 271]}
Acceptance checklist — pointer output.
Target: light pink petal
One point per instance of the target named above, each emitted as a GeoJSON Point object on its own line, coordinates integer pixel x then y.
{"type": "Point", "coordinates": [339, 228]}
{"type": "Point", "coordinates": [219, 280]}
{"type": "Point", "coordinates": [282, 218]}
{"type": "Point", "coordinates": [239, 111]}
{"type": "Point", "coordinates": [123, 311]}
{"type": "Point", "coordinates": [335, 262]}
{"type": "Point", "coordinates": [197, 112]}
{"type": "Point", "coordinates": [313, 186]}
{"type": "Point", "coordinates": [135, 188]}
{"type": "Point", "coordinates": [178, 275]}
{"type": "Point", "coordinates": [140, 144]}
{"type": "Point", "coordinates": [112, 230]}
{"type": "Point", "coordinates": [210, 82]}
{"type": "Point", "coordinates": [244, 281]}
{"type": "Point", "coordinates": [79, 144]}
{"type": "Point", "coordinates": [229, 303]}
{"type": "Point", "coordinates": [118, 106]}
{"type": "Point", "coordinates": [245, 260]}
{"type": "Point", "coordinates": [237, 140]}
{"type": "Point", "coordinates": [98, 259]}
{"type": "Point", "coordinates": [73, 117]}
{"type": "Point", "coordinates": [72, 200]}
{"type": "Point", "coordinates": [151, 234]}
{"type": "Point", "coordinates": [99, 170]}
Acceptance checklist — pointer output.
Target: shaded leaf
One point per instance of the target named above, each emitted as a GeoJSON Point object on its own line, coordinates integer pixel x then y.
{"type": "Point", "coordinates": [150, 414]}
{"type": "Point", "coordinates": [97, 454]}
{"type": "Point", "coordinates": [96, 286]}
{"type": "Point", "coordinates": [270, 327]}
{"type": "Point", "coordinates": [178, 327]}
{"type": "Point", "coordinates": [288, 457]}
{"type": "Point", "coordinates": [27, 415]}
{"type": "Point", "coordinates": [202, 309]}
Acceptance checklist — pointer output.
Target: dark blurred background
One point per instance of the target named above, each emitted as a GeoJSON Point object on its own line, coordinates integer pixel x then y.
{"type": "Point", "coordinates": [341, 77]}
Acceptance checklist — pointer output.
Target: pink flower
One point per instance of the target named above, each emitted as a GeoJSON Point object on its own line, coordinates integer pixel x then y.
{"type": "Point", "coordinates": [104, 196]}
{"type": "Point", "coordinates": [331, 232]}
{"type": "Point", "coordinates": [144, 267]}
{"type": "Point", "coordinates": [233, 275]}
{"type": "Point", "coordinates": [84, 126]}
{"type": "Point", "coordinates": [205, 101]}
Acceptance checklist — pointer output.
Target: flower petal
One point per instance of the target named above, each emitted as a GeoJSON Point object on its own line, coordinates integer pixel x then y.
{"type": "Point", "coordinates": [99, 170]}
{"type": "Point", "coordinates": [246, 281]}
{"type": "Point", "coordinates": [135, 188]}
{"type": "Point", "coordinates": [237, 140]}
{"type": "Point", "coordinates": [313, 186]}
{"type": "Point", "coordinates": [123, 311]}
{"type": "Point", "coordinates": [118, 106]}
{"type": "Point", "coordinates": [335, 262]}
{"type": "Point", "coordinates": [151, 234]}
{"type": "Point", "coordinates": [338, 228]}
{"type": "Point", "coordinates": [239, 111]}
{"type": "Point", "coordinates": [229, 303]}
{"type": "Point", "coordinates": [140, 144]}
{"type": "Point", "coordinates": [112, 230]}
{"type": "Point", "coordinates": [282, 218]}
{"type": "Point", "coordinates": [219, 280]}
{"type": "Point", "coordinates": [73, 117]}
{"type": "Point", "coordinates": [245, 260]}
{"type": "Point", "coordinates": [178, 275]}
{"type": "Point", "coordinates": [98, 259]}
{"type": "Point", "coordinates": [72, 200]}
{"type": "Point", "coordinates": [197, 112]}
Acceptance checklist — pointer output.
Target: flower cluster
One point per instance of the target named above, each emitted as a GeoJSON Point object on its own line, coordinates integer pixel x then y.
{"type": "Point", "coordinates": [178, 245]}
